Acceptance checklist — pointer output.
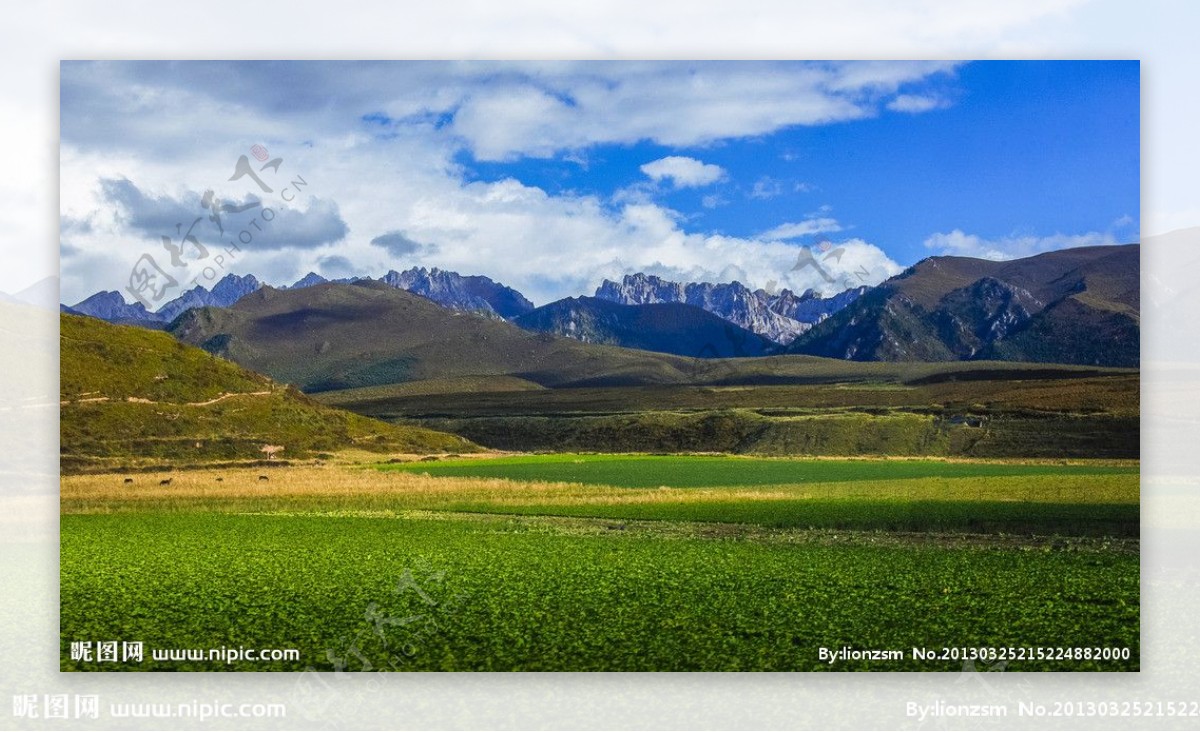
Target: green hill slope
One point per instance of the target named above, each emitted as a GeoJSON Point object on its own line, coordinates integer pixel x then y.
{"type": "Point", "coordinates": [128, 393]}
{"type": "Point", "coordinates": [371, 342]}
{"type": "Point", "coordinates": [341, 336]}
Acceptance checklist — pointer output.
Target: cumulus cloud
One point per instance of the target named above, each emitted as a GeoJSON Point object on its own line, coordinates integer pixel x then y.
{"type": "Point", "coordinates": [148, 214]}
{"type": "Point", "coordinates": [153, 216]}
{"type": "Point", "coordinates": [842, 265]}
{"type": "Point", "coordinates": [315, 226]}
{"type": "Point", "coordinates": [550, 247]}
{"type": "Point", "coordinates": [960, 243]}
{"type": "Point", "coordinates": [567, 106]}
{"type": "Point", "coordinates": [683, 172]}
{"type": "Point", "coordinates": [546, 246]}
{"type": "Point", "coordinates": [498, 111]}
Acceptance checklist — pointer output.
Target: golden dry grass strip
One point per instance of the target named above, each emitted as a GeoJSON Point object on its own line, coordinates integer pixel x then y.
{"type": "Point", "coordinates": [350, 487]}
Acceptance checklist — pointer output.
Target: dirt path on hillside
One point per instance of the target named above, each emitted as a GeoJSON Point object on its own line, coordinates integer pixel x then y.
{"type": "Point", "coordinates": [140, 400]}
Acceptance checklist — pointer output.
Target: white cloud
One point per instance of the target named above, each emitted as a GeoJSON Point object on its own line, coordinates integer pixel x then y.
{"type": "Point", "coordinates": [498, 111]}
{"type": "Point", "coordinates": [563, 107]}
{"type": "Point", "coordinates": [849, 263]}
{"type": "Point", "coordinates": [961, 244]}
{"type": "Point", "coordinates": [153, 216]}
{"type": "Point", "coordinates": [807, 227]}
{"type": "Point", "coordinates": [683, 172]}
{"type": "Point", "coordinates": [546, 246]}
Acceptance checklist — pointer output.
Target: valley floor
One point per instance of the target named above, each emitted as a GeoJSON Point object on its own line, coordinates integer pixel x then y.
{"type": "Point", "coordinates": [610, 562]}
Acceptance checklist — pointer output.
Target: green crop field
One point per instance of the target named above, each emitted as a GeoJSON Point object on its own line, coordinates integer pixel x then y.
{"type": "Point", "coordinates": [695, 471]}
{"type": "Point", "coordinates": [1087, 499]}
{"type": "Point", "coordinates": [439, 593]}
{"type": "Point", "coordinates": [589, 562]}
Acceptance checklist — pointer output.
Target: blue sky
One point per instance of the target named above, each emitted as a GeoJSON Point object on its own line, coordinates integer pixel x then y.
{"type": "Point", "coordinates": [551, 177]}
{"type": "Point", "coordinates": [1012, 149]}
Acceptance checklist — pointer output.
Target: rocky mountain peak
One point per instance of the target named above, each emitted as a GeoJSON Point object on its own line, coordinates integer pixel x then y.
{"type": "Point", "coordinates": [779, 318]}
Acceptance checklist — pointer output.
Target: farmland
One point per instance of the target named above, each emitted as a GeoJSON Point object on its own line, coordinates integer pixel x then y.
{"type": "Point", "coordinates": [696, 471]}
{"type": "Point", "coordinates": [586, 562]}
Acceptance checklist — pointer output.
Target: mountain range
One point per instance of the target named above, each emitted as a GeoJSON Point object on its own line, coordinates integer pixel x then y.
{"type": "Point", "coordinates": [450, 289]}
{"type": "Point", "coordinates": [777, 318]}
{"type": "Point", "coordinates": [1073, 306]}
{"type": "Point", "coordinates": [111, 306]}
{"type": "Point", "coordinates": [1078, 306]}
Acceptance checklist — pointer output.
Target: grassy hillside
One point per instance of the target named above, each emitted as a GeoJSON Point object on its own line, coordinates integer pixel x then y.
{"type": "Point", "coordinates": [131, 395]}
{"type": "Point", "coordinates": [795, 406]}
{"type": "Point", "coordinates": [340, 336]}
{"type": "Point", "coordinates": [825, 433]}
